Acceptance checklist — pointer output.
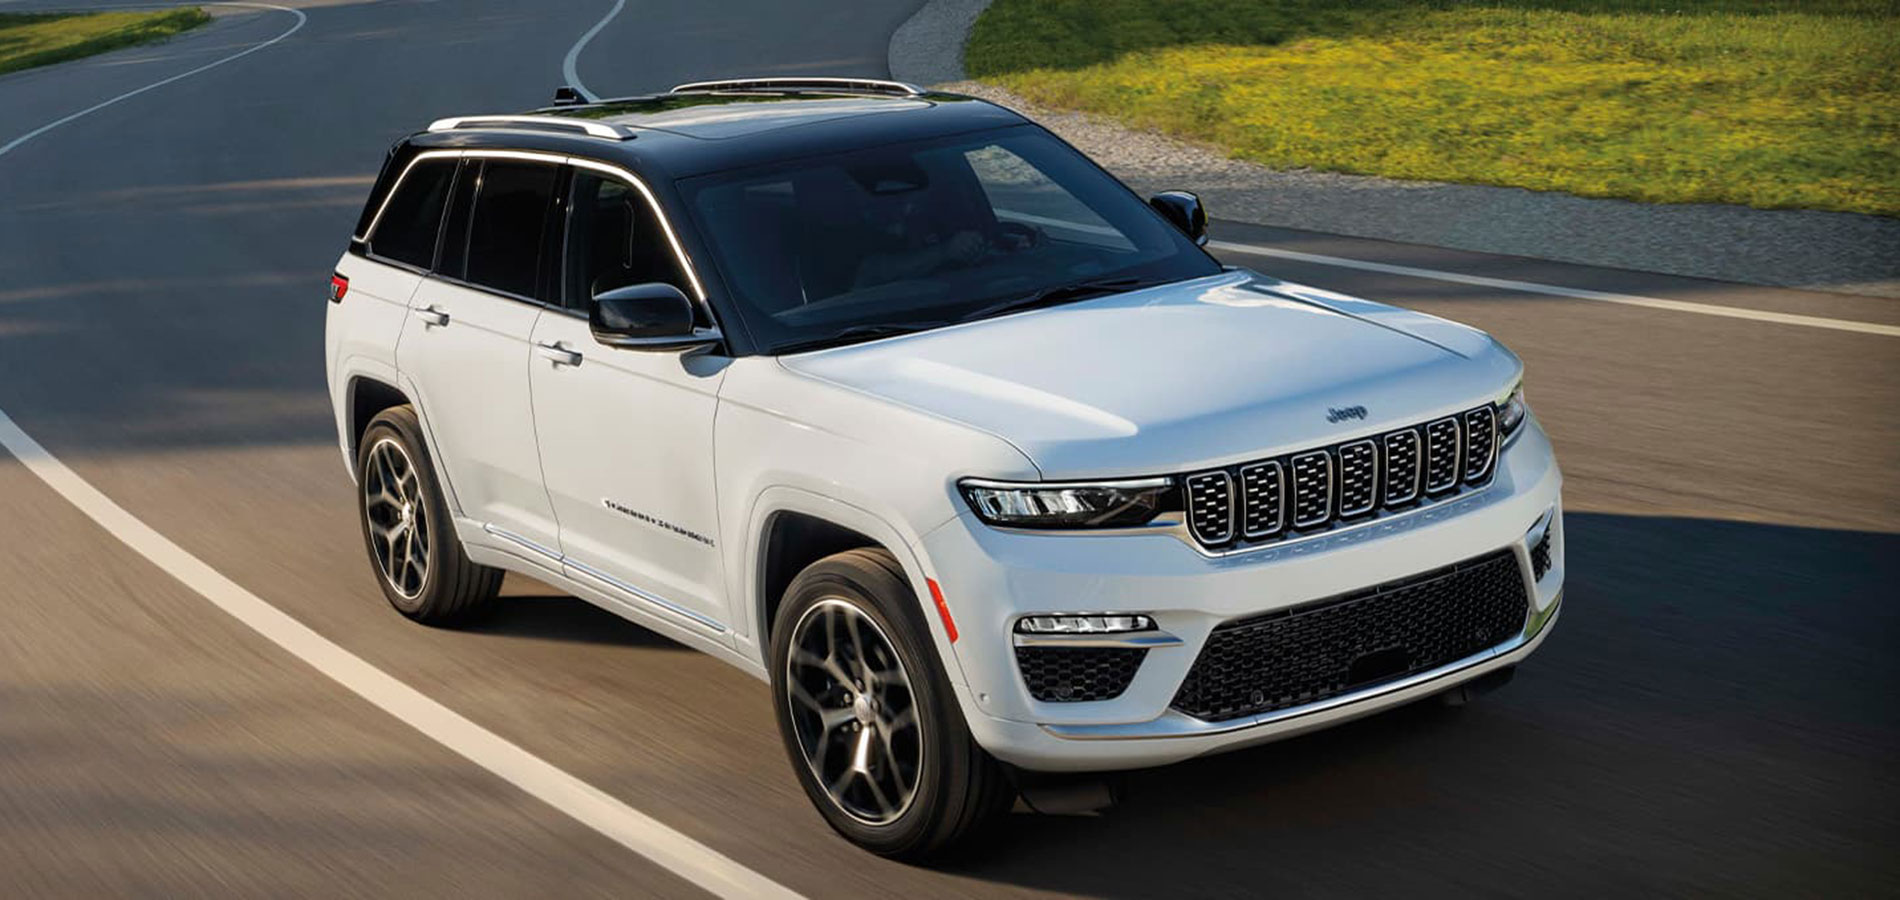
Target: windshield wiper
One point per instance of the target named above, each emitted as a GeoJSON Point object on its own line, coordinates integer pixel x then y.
{"type": "Point", "coordinates": [865, 332]}
{"type": "Point", "coordinates": [1061, 293]}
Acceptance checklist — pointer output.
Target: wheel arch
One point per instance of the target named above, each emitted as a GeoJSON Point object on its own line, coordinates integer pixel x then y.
{"type": "Point", "coordinates": [367, 397]}
{"type": "Point", "coordinates": [794, 528]}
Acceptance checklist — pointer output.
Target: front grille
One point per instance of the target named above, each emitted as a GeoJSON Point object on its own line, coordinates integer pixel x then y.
{"type": "Point", "coordinates": [1358, 479]}
{"type": "Point", "coordinates": [1402, 473]}
{"type": "Point", "coordinates": [1262, 493]}
{"type": "Point", "coordinates": [1312, 489]}
{"type": "Point", "coordinates": [1211, 507]}
{"type": "Point", "coordinates": [1441, 456]}
{"type": "Point", "coordinates": [1078, 674]}
{"type": "Point", "coordinates": [1302, 493]}
{"type": "Point", "coordinates": [1310, 653]}
{"type": "Point", "coordinates": [1480, 434]}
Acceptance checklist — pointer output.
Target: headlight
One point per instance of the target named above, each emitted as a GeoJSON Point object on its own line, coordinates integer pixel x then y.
{"type": "Point", "coordinates": [1511, 412]}
{"type": "Point", "coordinates": [1095, 504]}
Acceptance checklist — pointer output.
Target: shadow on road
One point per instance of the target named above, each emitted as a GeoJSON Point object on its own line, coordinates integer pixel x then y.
{"type": "Point", "coordinates": [1713, 714]}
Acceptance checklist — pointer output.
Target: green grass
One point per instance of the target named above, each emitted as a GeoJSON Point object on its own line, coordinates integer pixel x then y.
{"type": "Point", "coordinates": [1770, 104]}
{"type": "Point", "coordinates": [40, 39]}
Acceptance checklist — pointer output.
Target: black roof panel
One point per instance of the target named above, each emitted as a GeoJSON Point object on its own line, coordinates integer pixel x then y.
{"type": "Point", "coordinates": [686, 134]}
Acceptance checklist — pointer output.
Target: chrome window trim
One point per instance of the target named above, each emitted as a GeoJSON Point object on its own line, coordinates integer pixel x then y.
{"type": "Point", "coordinates": [1418, 465]}
{"type": "Point", "coordinates": [559, 159]}
{"type": "Point", "coordinates": [1326, 509]}
{"type": "Point", "coordinates": [1372, 495]}
{"type": "Point", "coordinates": [1457, 454]}
{"type": "Point", "coordinates": [1187, 487]}
{"type": "Point", "coordinates": [1279, 514]}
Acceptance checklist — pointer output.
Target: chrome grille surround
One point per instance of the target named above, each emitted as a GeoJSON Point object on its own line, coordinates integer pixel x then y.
{"type": "Point", "coordinates": [1442, 448]}
{"type": "Point", "coordinates": [1312, 488]}
{"type": "Point", "coordinates": [1401, 456]}
{"type": "Point", "coordinates": [1481, 442]}
{"type": "Point", "coordinates": [1260, 503]}
{"type": "Point", "coordinates": [1210, 506]}
{"type": "Point", "coordinates": [1358, 478]}
{"type": "Point", "coordinates": [1263, 499]}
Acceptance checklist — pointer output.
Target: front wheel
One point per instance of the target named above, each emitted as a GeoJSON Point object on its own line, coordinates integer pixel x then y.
{"type": "Point", "coordinates": [868, 720]}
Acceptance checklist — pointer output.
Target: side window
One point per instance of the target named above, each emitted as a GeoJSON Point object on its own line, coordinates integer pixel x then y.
{"type": "Point", "coordinates": [452, 261]}
{"type": "Point", "coordinates": [406, 231]}
{"type": "Point", "coordinates": [508, 224]}
{"type": "Point", "coordinates": [614, 240]}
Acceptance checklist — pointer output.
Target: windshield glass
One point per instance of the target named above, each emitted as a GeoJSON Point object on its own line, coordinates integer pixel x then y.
{"type": "Point", "coordinates": [916, 235]}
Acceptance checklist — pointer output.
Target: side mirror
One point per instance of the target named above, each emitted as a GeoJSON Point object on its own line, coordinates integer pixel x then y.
{"type": "Point", "coordinates": [1184, 210]}
{"type": "Point", "coordinates": [647, 317]}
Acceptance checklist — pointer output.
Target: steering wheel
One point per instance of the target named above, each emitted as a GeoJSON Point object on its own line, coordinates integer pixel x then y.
{"type": "Point", "coordinates": [1016, 237]}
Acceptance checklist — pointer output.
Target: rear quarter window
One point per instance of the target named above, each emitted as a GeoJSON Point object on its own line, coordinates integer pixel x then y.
{"type": "Point", "coordinates": [406, 231]}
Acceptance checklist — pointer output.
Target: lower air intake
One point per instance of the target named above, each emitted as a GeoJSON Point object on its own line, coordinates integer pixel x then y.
{"type": "Point", "coordinates": [1311, 653]}
{"type": "Point", "coordinates": [1078, 674]}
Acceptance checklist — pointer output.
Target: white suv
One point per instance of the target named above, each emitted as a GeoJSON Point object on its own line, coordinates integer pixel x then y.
{"type": "Point", "coordinates": [898, 402]}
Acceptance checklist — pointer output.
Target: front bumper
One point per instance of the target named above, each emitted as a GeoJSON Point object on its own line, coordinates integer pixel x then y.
{"type": "Point", "coordinates": [992, 577]}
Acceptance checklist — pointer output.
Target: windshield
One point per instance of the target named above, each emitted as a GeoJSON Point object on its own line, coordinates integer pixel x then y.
{"type": "Point", "coordinates": [917, 235]}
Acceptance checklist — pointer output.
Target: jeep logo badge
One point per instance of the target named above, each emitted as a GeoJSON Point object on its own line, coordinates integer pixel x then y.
{"type": "Point", "coordinates": [1340, 415]}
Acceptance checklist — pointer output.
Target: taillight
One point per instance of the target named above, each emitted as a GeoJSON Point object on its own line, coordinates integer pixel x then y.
{"type": "Point", "coordinates": [338, 287]}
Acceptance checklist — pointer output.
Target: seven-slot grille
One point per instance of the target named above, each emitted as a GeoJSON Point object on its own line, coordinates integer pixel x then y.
{"type": "Point", "coordinates": [1317, 489]}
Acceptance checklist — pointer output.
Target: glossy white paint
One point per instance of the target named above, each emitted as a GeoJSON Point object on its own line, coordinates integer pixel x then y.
{"type": "Point", "coordinates": [470, 374]}
{"type": "Point", "coordinates": [1178, 377]}
{"type": "Point", "coordinates": [626, 442]}
{"type": "Point", "coordinates": [666, 470]}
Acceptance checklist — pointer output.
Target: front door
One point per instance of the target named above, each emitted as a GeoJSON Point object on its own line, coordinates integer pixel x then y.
{"type": "Point", "coordinates": [626, 435]}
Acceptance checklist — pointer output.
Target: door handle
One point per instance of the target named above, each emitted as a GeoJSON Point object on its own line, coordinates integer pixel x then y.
{"type": "Point", "coordinates": [432, 315]}
{"type": "Point", "coordinates": [559, 354]}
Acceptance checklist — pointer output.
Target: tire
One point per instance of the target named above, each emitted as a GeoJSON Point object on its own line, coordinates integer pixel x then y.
{"type": "Point", "coordinates": [955, 785]}
{"type": "Point", "coordinates": [418, 561]}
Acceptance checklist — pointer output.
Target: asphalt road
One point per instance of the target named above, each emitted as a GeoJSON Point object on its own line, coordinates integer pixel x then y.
{"type": "Point", "coordinates": [1715, 713]}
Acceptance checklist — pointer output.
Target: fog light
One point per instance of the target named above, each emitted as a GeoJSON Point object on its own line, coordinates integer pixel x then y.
{"type": "Point", "coordinates": [1083, 624]}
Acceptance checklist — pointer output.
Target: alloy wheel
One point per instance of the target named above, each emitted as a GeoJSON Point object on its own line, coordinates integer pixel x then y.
{"type": "Point", "coordinates": [396, 515]}
{"type": "Point", "coordinates": [854, 712]}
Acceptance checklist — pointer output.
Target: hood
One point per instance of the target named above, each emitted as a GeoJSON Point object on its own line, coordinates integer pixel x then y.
{"type": "Point", "coordinates": [1182, 376]}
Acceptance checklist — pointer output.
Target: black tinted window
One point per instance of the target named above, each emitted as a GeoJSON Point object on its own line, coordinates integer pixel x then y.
{"type": "Point", "coordinates": [614, 240]}
{"type": "Point", "coordinates": [454, 256]}
{"type": "Point", "coordinates": [506, 231]}
{"type": "Point", "coordinates": [406, 232]}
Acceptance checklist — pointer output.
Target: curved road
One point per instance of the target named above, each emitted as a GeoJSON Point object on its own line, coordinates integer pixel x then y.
{"type": "Point", "coordinates": [1714, 715]}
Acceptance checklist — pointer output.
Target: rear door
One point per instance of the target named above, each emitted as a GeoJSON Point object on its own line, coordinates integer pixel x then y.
{"type": "Point", "coordinates": [626, 435]}
{"type": "Point", "coordinates": [466, 352]}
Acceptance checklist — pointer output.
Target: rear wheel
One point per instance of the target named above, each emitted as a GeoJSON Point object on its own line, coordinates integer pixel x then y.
{"type": "Point", "coordinates": [873, 731]}
{"type": "Point", "coordinates": [419, 562]}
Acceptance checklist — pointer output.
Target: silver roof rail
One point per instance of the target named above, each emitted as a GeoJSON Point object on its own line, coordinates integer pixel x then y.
{"type": "Point", "coordinates": [822, 85]}
{"type": "Point", "coordinates": [568, 124]}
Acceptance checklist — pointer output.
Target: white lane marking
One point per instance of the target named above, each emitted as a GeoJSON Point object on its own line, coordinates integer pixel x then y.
{"type": "Point", "coordinates": [1706, 309]}
{"type": "Point", "coordinates": [568, 65]}
{"type": "Point", "coordinates": [301, 18]}
{"type": "Point", "coordinates": [635, 830]}
{"type": "Point", "coordinates": [594, 808]}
